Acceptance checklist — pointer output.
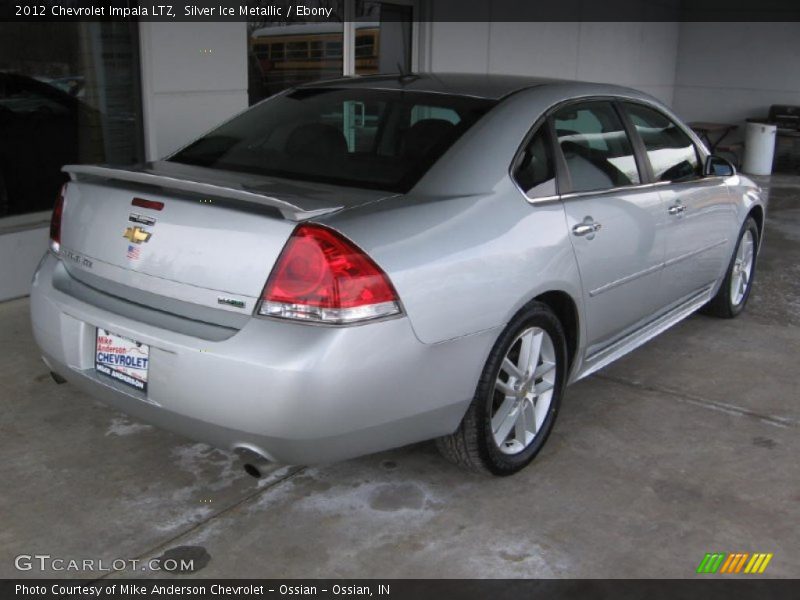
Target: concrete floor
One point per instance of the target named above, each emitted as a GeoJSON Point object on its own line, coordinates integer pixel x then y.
{"type": "Point", "coordinates": [689, 445]}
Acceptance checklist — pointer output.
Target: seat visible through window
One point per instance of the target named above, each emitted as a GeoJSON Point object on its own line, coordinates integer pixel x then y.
{"type": "Point", "coordinates": [596, 147]}
{"type": "Point", "coordinates": [424, 135]}
{"type": "Point", "coordinates": [316, 139]}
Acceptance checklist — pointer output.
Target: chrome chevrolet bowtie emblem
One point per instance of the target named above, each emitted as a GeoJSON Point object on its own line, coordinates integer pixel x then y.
{"type": "Point", "coordinates": [137, 235]}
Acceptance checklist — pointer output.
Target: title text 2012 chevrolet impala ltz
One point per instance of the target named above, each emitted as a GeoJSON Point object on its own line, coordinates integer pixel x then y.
{"type": "Point", "coordinates": [355, 265]}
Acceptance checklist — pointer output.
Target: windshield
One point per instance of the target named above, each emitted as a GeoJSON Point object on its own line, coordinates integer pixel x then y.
{"type": "Point", "coordinates": [379, 139]}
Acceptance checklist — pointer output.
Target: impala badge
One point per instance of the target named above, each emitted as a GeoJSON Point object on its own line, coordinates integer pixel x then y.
{"type": "Point", "coordinates": [231, 302]}
{"type": "Point", "coordinates": [136, 235]}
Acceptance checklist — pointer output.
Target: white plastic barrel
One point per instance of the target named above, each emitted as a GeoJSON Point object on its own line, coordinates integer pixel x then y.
{"type": "Point", "coordinates": [759, 148]}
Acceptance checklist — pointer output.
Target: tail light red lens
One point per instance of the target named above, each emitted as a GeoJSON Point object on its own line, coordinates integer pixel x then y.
{"type": "Point", "coordinates": [321, 276]}
{"type": "Point", "coordinates": [55, 220]}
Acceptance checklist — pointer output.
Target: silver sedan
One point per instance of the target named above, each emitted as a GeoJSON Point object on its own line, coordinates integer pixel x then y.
{"type": "Point", "coordinates": [355, 265]}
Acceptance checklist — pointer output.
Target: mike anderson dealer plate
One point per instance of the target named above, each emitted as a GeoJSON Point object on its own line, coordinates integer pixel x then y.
{"type": "Point", "coordinates": [122, 359]}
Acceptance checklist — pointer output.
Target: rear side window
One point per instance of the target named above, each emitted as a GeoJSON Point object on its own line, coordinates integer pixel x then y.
{"type": "Point", "coordinates": [671, 153]}
{"type": "Point", "coordinates": [596, 147]}
{"type": "Point", "coordinates": [534, 171]}
{"type": "Point", "coordinates": [380, 139]}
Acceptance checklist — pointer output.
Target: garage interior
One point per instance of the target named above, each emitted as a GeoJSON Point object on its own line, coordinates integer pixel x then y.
{"type": "Point", "coordinates": [688, 445]}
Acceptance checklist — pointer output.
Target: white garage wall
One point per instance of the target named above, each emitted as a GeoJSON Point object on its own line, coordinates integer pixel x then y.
{"type": "Point", "coordinates": [731, 71]}
{"type": "Point", "coordinates": [22, 250]}
{"type": "Point", "coordinates": [639, 55]}
{"type": "Point", "coordinates": [194, 75]}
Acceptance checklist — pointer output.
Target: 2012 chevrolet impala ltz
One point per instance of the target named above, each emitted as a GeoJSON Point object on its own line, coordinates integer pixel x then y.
{"type": "Point", "coordinates": [359, 264]}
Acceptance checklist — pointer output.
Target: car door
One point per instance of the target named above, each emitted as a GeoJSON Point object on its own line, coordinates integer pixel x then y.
{"type": "Point", "coordinates": [615, 219]}
{"type": "Point", "coordinates": [701, 215]}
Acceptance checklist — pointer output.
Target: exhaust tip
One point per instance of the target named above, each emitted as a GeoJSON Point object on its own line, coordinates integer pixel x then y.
{"type": "Point", "coordinates": [254, 460]}
{"type": "Point", "coordinates": [252, 470]}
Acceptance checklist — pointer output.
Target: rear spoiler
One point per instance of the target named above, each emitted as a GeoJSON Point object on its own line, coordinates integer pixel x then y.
{"type": "Point", "coordinates": [289, 211]}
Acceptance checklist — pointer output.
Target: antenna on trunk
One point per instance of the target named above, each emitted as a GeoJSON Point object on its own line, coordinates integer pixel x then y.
{"type": "Point", "coordinates": [405, 76]}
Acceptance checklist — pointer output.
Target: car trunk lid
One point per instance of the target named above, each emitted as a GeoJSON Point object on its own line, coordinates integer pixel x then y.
{"type": "Point", "coordinates": [184, 238]}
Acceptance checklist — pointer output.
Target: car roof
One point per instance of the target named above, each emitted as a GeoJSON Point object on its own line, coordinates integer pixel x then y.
{"type": "Point", "coordinates": [490, 87]}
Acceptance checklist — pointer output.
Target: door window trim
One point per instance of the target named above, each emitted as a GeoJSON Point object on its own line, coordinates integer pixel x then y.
{"type": "Point", "coordinates": [563, 181]}
{"type": "Point", "coordinates": [546, 122]}
{"type": "Point", "coordinates": [699, 150]}
{"type": "Point", "coordinates": [611, 101]}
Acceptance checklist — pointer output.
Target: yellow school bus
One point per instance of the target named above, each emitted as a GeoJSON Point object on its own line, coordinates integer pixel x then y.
{"type": "Point", "coordinates": [291, 54]}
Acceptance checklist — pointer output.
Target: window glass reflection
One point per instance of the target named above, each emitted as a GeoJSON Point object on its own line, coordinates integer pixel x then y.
{"type": "Point", "coordinates": [283, 55]}
{"type": "Point", "coordinates": [671, 153]}
{"type": "Point", "coordinates": [69, 93]}
{"type": "Point", "coordinates": [383, 37]}
{"type": "Point", "coordinates": [597, 150]}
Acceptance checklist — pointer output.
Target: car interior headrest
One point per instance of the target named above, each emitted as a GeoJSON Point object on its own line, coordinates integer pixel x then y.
{"type": "Point", "coordinates": [316, 139]}
{"type": "Point", "coordinates": [424, 135]}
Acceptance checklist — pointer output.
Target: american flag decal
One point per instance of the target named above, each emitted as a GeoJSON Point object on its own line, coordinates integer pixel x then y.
{"type": "Point", "coordinates": [133, 252]}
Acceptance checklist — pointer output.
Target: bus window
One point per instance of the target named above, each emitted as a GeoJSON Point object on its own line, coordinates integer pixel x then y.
{"type": "Point", "coordinates": [333, 49]}
{"type": "Point", "coordinates": [365, 46]}
{"type": "Point", "coordinates": [297, 50]}
{"type": "Point", "coordinates": [276, 51]}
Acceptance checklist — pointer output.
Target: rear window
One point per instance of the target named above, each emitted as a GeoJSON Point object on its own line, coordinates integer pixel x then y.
{"type": "Point", "coordinates": [361, 138]}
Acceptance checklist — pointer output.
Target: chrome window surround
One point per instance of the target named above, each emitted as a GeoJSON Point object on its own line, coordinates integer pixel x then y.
{"type": "Point", "coordinates": [602, 192]}
{"type": "Point", "coordinates": [543, 121]}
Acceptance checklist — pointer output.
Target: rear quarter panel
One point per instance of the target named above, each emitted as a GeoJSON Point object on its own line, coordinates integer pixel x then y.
{"type": "Point", "coordinates": [465, 264]}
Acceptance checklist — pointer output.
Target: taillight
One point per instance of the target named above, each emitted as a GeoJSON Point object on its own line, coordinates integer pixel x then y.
{"type": "Point", "coordinates": [321, 276]}
{"type": "Point", "coordinates": [55, 220]}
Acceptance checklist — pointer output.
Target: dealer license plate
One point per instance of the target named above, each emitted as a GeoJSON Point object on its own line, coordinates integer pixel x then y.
{"type": "Point", "coordinates": [122, 359]}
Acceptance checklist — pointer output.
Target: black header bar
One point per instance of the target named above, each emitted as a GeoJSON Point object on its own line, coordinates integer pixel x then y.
{"type": "Point", "coordinates": [430, 10]}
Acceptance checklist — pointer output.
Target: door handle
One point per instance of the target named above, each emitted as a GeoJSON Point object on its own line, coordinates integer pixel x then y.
{"type": "Point", "coordinates": [678, 209]}
{"type": "Point", "coordinates": [586, 228]}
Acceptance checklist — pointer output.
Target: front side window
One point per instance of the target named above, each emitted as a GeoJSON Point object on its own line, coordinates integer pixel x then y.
{"type": "Point", "coordinates": [596, 147]}
{"type": "Point", "coordinates": [671, 153]}
{"type": "Point", "coordinates": [534, 171]}
{"type": "Point", "coordinates": [378, 139]}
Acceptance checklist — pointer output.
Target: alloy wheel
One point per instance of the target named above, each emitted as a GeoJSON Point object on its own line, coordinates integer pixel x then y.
{"type": "Point", "coordinates": [742, 268]}
{"type": "Point", "coordinates": [523, 390]}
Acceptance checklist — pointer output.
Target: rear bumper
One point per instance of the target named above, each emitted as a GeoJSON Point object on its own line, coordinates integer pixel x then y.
{"type": "Point", "coordinates": [294, 393]}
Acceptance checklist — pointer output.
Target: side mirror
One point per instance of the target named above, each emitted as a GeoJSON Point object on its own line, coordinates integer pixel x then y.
{"type": "Point", "coordinates": [716, 166]}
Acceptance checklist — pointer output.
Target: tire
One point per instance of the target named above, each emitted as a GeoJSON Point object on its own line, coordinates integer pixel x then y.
{"type": "Point", "coordinates": [474, 445]}
{"type": "Point", "coordinates": [728, 303]}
